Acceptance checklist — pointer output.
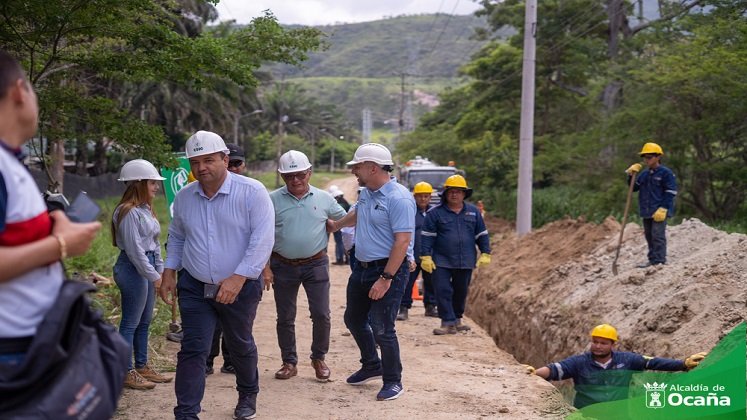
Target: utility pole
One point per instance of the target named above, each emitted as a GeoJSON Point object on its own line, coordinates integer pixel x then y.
{"type": "Point", "coordinates": [401, 121]}
{"type": "Point", "coordinates": [526, 140]}
{"type": "Point", "coordinates": [281, 136]}
{"type": "Point", "coordinates": [366, 129]}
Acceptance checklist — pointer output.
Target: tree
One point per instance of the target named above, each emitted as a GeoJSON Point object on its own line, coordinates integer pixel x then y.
{"type": "Point", "coordinates": [78, 52]}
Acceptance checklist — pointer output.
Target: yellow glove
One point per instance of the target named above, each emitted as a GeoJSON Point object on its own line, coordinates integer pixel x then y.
{"type": "Point", "coordinates": [695, 359]}
{"type": "Point", "coordinates": [634, 169]}
{"type": "Point", "coordinates": [427, 264]}
{"type": "Point", "coordinates": [530, 369]}
{"type": "Point", "coordinates": [660, 214]}
{"type": "Point", "coordinates": [483, 260]}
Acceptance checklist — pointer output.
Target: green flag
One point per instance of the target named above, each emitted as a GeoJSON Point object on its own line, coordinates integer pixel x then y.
{"type": "Point", "coordinates": [176, 179]}
{"type": "Point", "coordinates": [713, 390]}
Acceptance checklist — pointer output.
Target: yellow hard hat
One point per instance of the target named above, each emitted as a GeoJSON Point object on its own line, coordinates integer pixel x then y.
{"type": "Point", "coordinates": [605, 331]}
{"type": "Point", "coordinates": [422, 188]}
{"type": "Point", "coordinates": [650, 148]}
{"type": "Point", "coordinates": [455, 181]}
{"type": "Point", "coordinates": [191, 178]}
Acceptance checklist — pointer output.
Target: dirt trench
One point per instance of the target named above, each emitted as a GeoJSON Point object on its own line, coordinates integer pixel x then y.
{"type": "Point", "coordinates": [544, 292]}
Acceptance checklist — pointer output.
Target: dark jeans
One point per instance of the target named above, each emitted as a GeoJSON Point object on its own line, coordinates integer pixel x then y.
{"type": "Point", "coordinates": [371, 322]}
{"type": "Point", "coordinates": [429, 296]}
{"type": "Point", "coordinates": [451, 286]}
{"type": "Point", "coordinates": [216, 345]}
{"type": "Point", "coordinates": [314, 276]}
{"type": "Point", "coordinates": [138, 298]}
{"type": "Point", "coordinates": [199, 317]}
{"type": "Point", "coordinates": [339, 248]}
{"type": "Point", "coordinates": [351, 258]}
{"type": "Point", "coordinates": [656, 238]}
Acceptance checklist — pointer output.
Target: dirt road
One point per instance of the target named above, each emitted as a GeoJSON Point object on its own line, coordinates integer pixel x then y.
{"type": "Point", "coordinates": [463, 376]}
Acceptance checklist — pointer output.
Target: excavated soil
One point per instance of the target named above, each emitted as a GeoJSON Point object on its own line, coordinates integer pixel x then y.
{"type": "Point", "coordinates": [544, 292]}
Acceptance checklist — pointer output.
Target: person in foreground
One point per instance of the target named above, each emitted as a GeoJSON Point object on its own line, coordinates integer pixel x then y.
{"type": "Point", "coordinates": [221, 235]}
{"type": "Point", "coordinates": [385, 221]}
{"type": "Point", "coordinates": [603, 374]}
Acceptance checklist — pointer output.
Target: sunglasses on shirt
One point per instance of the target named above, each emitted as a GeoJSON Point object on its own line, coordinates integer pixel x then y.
{"type": "Point", "coordinates": [235, 163]}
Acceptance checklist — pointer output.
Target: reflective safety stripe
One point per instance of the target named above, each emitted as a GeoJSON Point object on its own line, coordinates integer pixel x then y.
{"type": "Point", "coordinates": [673, 192]}
{"type": "Point", "coordinates": [433, 234]}
{"type": "Point", "coordinates": [560, 370]}
{"type": "Point", "coordinates": [484, 232]}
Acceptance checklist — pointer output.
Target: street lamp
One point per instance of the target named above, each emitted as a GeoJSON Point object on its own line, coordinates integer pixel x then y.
{"type": "Point", "coordinates": [238, 118]}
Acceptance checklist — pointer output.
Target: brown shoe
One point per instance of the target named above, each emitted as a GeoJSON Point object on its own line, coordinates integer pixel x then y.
{"type": "Point", "coordinates": [321, 370]}
{"type": "Point", "coordinates": [445, 329]}
{"type": "Point", "coordinates": [152, 375]}
{"type": "Point", "coordinates": [287, 371]}
{"type": "Point", "coordinates": [462, 327]}
{"type": "Point", "coordinates": [133, 380]}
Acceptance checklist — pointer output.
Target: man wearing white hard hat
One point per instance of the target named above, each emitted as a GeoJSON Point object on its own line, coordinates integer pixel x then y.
{"type": "Point", "coordinates": [299, 257]}
{"type": "Point", "coordinates": [221, 235]}
{"type": "Point", "coordinates": [339, 196]}
{"type": "Point", "coordinates": [385, 221]}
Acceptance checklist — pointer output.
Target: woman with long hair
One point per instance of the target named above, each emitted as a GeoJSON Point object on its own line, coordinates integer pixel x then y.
{"type": "Point", "coordinates": [137, 272]}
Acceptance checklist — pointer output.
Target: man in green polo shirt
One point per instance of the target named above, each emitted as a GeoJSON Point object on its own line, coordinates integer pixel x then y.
{"type": "Point", "coordinates": [299, 257]}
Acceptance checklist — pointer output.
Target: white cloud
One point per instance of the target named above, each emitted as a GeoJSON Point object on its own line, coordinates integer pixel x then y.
{"type": "Point", "coordinates": [323, 12]}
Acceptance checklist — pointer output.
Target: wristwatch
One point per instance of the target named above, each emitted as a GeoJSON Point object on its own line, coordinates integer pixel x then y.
{"type": "Point", "coordinates": [387, 276]}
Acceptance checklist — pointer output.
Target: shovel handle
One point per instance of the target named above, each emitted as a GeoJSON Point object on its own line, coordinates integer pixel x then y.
{"type": "Point", "coordinates": [624, 221]}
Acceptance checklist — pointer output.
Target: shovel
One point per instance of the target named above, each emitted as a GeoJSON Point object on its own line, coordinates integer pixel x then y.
{"type": "Point", "coordinates": [175, 329]}
{"type": "Point", "coordinates": [625, 220]}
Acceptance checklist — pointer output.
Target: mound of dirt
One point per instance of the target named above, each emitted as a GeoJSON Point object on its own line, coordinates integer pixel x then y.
{"type": "Point", "coordinates": [545, 291]}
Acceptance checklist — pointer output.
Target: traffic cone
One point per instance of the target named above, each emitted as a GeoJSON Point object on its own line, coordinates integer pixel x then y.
{"type": "Point", "coordinates": [416, 292]}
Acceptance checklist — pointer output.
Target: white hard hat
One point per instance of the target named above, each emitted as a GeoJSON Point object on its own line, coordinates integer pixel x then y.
{"type": "Point", "coordinates": [139, 169]}
{"type": "Point", "coordinates": [332, 188]}
{"type": "Point", "coordinates": [205, 143]}
{"type": "Point", "coordinates": [372, 152]}
{"type": "Point", "coordinates": [293, 161]}
{"type": "Point", "coordinates": [336, 193]}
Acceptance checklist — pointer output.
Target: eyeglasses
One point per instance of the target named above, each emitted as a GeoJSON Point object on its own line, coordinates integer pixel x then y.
{"type": "Point", "coordinates": [295, 175]}
{"type": "Point", "coordinates": [235, 163]}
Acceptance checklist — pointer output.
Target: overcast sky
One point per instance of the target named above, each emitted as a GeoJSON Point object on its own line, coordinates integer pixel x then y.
{"type": "Point", "coordinates": [323, 12]}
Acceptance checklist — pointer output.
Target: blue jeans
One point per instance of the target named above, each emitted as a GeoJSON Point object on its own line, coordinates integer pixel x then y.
{"type": "Point", "coordinates": [314, 276]}
{"type": "Point", "coordinates": [656, 238]}
{"type": "Point", "coordinates": [199, 317]}
{"type": "Point", "coordinates": [451, 286]}
{"type": "Point", "coordinates": [429, 296]}
{"type": "Point", "coordinates": [138, 297]}
{"type": "Point", "coordinates": [339, 248]}
{"type": "Point", "coordinates": [371, 322]}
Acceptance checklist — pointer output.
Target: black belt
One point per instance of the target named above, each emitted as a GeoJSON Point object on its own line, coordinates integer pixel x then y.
{"type": "Point", "coordinates": [375, 263]}
{"type": "Point", "coordinates": [15, 345]}
{"type": "Point", "coordinates": [300, 261]}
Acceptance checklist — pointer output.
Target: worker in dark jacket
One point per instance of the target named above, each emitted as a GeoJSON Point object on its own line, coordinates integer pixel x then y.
{"type": "Point", "coordinates": [602, 374]}
{"type": "Point", "coordinates": [452, 232]}
{"type": "Point", "coordinates": [657, 189]}
{"type": "Point", "coordinates": [422, 193]}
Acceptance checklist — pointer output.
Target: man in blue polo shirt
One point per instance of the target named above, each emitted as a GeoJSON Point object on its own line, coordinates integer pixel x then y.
{"type": "Point", "coordinates": [299, 257]}
{"type": "Point", "coordinates": [385, 221]}
{"type": "Point", "coordinates": [222, 236]}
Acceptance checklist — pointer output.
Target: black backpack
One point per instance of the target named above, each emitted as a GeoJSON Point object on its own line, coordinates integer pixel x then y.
{"type": "Point", "coordinates": [75, 367]}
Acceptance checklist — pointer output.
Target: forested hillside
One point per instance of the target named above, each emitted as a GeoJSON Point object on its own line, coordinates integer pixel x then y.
{"type": "Point", "coordinates": [423, 45]}
{"type": "Point", "coordinates": [606, 82]}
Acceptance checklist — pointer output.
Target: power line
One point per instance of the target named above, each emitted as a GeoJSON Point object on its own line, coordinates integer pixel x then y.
{"type": "Point", "coordinates": [448, 19]}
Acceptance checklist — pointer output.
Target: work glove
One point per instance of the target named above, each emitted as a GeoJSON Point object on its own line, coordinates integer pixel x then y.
{"type": "Point", "coordinates": [634, 169]}
{"type": "Point", "coordinates": [427, 264]}
{"type": "Point", "coordinates": [530, 369]}
{"type": "Point", "coordinates": [660, 214]}
{"type": "Point", "coordinates": [695, 359]}
{"type": "Point", "coordinates": [483, 260]}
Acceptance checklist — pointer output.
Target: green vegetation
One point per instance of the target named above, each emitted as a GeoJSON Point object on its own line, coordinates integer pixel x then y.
{"type": "Point", "coordinates": [318, 179]}
{"type": "Point", "coordinates": [679, 81]}
{"type": "Point", "coordinates": [427, 45]}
